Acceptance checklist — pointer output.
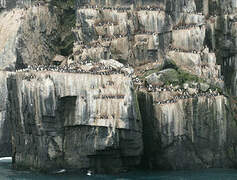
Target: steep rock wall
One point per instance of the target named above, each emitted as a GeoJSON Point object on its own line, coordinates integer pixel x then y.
{"type": "Point", "coordinates": [154, 33]}
{"type": "Point", "coordinates": [26, 36]}
{"type": "Point", "coordinates": [9, 4]}
{"type": "Point", "coordinates": [34, 33]}
{"type": "Point", "coordinates": [31, 32]}
{"type": "Point", "coordinates": [67, 120]}
{"type": "Point", "coordinates": [5, 127]}
{"type": "Point", "coordinates": [149, 32]}
{"type": "Point", "coordinates": [191, 35]}
{"type": "Point", "coordinates": [10, 23]}
{"type": "Point", "coordinates": [189, 134]}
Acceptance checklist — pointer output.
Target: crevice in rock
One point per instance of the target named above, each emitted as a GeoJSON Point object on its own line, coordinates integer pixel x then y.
{"type": "Point", "coordinates": [150, 144]}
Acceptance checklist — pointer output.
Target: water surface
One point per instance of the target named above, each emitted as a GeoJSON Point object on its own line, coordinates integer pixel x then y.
{"type": "Point", "coordinates": [6, 173]}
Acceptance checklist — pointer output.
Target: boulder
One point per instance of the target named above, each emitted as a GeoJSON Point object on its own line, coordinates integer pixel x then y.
{"type": "Point", "coordinates": [160, 78]}
{"type": "Point", "coordinates": [59, 58]}
{"type": "Point", "coordinates": [193, 84]}
{"type": "Point", "coordinates": [154, 79]}
{"type": "Point", "coordinates": [169, 76]}
{"type": "Point", "coordinates": [192, 91]}
{"type": "Point", "coordinates": [112, 63]}
{"type": "Point", "coordinates": [204, 87]}
{"type": "Point", "coordinates": [127, 70]}
{"type": "Point", "coordinates": [185, 85]}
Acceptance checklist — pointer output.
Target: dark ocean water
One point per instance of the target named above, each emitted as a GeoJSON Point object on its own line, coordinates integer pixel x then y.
{"type": "Point", "coordinates": [6, 173]}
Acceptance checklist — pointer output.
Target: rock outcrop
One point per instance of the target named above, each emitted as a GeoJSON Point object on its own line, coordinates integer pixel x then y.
{"type": "Point", "coordinates": [74, 121]}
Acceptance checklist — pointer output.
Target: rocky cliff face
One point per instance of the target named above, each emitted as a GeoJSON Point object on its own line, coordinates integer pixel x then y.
{"type": "Point", "coordinates": [5, 132]}
{"type": "Point", "coordinates": [33, 33]}
{"type": "Point", "coordinates": [178, 56]}
{"type": "Point", "coordinates": [146, 33]}
{"type": "Point", "coordinates": [68, 120]}
{"type": "Point", "coordinates": [191, 133]}
{"type": "Point", "coordinates": [17, 27]}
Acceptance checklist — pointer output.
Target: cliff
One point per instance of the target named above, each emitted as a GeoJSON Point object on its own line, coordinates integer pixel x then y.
{"type": "Point", "coordinates": [5, 127]}
{"type": "Point", "coordinates": [78, 66]}
{"type": "Point", "coordinates": [68, 120]}
{"type": "Point", "coordinates": [191, 133]}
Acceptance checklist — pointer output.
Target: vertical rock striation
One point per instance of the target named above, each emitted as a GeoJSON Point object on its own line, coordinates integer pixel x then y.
{"type": "Point", "coordinates": [74, 121]}
{"type": "Point", "coordinates": [189, 134]}
{"type": "Point", "coordinates": [184, 59]}
{"type": "Point", "coordinates": [5, 127]}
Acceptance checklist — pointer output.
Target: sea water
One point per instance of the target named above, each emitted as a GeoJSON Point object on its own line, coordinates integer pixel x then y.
{"type": "Point", "coordinates": [7, 173]}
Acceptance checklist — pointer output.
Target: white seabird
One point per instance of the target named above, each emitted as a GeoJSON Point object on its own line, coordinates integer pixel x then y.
{"type": "Point", "coordinates": [60, 171]}
{"type": "Point", "coordinates": [89, 173]}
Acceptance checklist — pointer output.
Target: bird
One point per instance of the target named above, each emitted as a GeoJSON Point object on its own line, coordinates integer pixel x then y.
{"type": "Point", "coordinates": [89, 173]}
{"type": "Point", "coordinates": [60, 171]}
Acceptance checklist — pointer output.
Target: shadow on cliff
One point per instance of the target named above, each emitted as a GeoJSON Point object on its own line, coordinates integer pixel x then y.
{"type": "Point", "coordinates": [151, 137]}
{"type": "Point", "coordinates": [5, 140]}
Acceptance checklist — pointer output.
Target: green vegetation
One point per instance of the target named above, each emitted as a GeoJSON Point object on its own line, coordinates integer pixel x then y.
{"type": "Point", "coordinates": [67, 17]}
{"type": "Point", "coordinates": [175, 77]}
{"type": "Point", "coordinates": [137, 109]}
{"type": "Point", "coordinates": [147, 73]}
{"type": "Point", "coordinates": [185, 76]}
{"type": "Point", "coordinates": [169, 63]}
{"type": "Point", "coordinates": [66, 46]}
{"type": "Point", "coordinates": [64, 4]}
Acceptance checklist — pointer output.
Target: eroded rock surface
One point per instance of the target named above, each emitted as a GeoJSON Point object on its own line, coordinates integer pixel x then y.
{"type": "Point", "coordinates": [191, 133]}
{"type": "Point", "coordinates": [5, 126]}
{"type": "Point", "coordinates": [69, 114]}
{"type": "Point", "coordinates": [69, 120]}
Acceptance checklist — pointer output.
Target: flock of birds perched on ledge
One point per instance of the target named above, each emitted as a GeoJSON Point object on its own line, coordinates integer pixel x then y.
{"type": "Point", "coordinates": [180, 93]}
{"type": "Point", "coordinates": [107, 37]}
{"type": "Point", "coordinates": [128, 8]}
{"type": "Point", "coordinates": [177, 27]}
{"type": "Point", "coordinates": [149, 8]}
{"type": "Point", "coordinates": [96, 68]}
{"type": "Point", "coordinates": [101, 69]}
{"type": "Point", "coordinates": [188, 96]}
{"type": "Point", "coordinates": [201, 52]}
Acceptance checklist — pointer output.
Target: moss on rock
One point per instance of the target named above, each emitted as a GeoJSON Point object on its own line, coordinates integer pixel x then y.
{"type": "Point", "coordinates": [185, 76]}
{"type": "Point", "coordinates": [171, 76]}
{"type": "Point", "coordinates": [67, 22]}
